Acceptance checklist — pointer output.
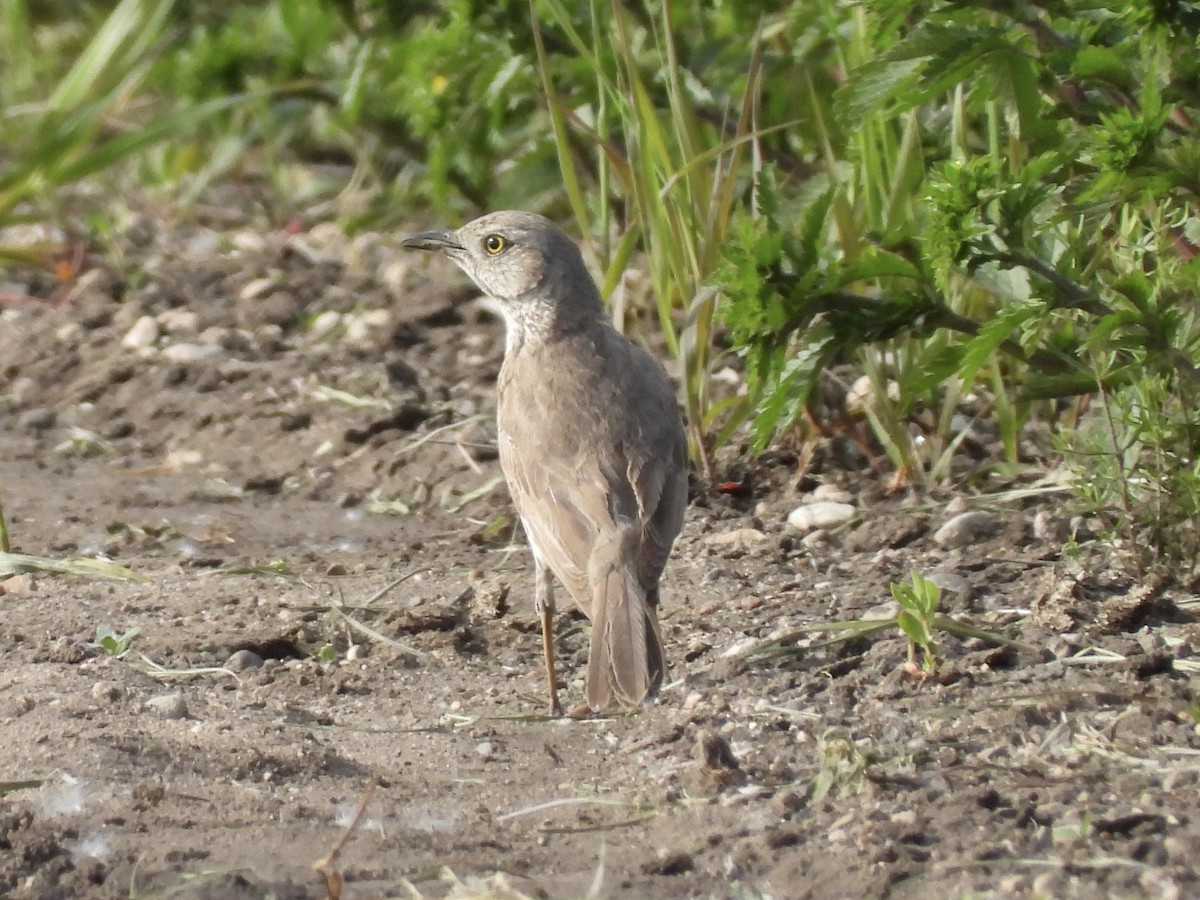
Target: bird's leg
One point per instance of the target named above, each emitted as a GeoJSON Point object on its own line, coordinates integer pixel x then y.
{"type": "Point", "coordinates": [543, 601]}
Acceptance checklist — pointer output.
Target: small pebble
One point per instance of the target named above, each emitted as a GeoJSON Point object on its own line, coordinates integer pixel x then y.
{"type": "Point", "coordinates": [179, 321]}
{"type": "Point", "coordinates": [822, 514]}
{"type": "Point", "coordinates": [191, 352]}
{"type": "Point", "coordinates": [17, 704]}
{"type": "Point", "coordinates": [363, 327]}
{"type": "Point", "coordinates": [107, 691]}
{"type": "Point", "coordinates": [738, 538]}
{"type": "Point", "coordinates": [950, 583]}
{"type": "Point", "coordinates": [1051, 528]}
{"type": "Point", "coordinates": [242, 660]}
{"type": "Point", "coordinates": [255, 288]}
{"type": "Point", "coordinates": [905, 817]}
{"type": "Point", "coordinates": [143, 334]}
{"type": "Point", "coordinates": [484, 750]}
{"type": "Point", "coordinates": [168, 706]}
{"type": "Point", "coordinates": [324, 323]}
{"type": "Point", "coordinates": [830, 493]}
{"type": "Point", "coordinates": [965, 528]}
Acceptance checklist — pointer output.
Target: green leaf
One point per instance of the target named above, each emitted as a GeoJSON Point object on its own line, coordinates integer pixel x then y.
{"type": "Point", "coordinates": [1102, 64]}
{"type": "Point", "coordinates": [914, 628]}
{"type": "Point", "coordinates": [981, 347]}
{"type": "Point", "coordinates": [873, 87]}
{"type": "Point", "coordinates": [878, 264]}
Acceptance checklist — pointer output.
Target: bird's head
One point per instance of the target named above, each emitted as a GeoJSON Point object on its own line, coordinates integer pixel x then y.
{"type": "Point", "coordinates": [522, 260]}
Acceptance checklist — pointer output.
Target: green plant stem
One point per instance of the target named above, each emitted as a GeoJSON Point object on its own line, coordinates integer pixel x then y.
{"type": "Point", "coordinates": [935, 315]}
{"type": "Point", "coordinates": [1077, 295]}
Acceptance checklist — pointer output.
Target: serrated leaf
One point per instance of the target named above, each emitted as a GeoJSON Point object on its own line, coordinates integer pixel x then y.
{"type": "Point", "coordinates": [981, 347]}
{"type": "Point", "coordinates": [1102, 64]}
{"type": "Point", "coordinates": [877, 264]}
{"type": "Point", "coordinates": [812, 231]}
{"type": "Point", "coordinates": [873, 87]}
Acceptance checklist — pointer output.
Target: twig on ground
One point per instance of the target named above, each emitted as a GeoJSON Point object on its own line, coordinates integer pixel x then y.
{"type": "Point", "coordinates": [327, 866]}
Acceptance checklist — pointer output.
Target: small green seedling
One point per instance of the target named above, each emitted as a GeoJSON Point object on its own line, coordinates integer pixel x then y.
{"type": "Point", "coordinates": [114, 643]}
{"type": "Point", "coordinates": [917, 620]}
{"type": "Point", "coordinates": [327, 653]}
{"type": "Point", "coordinates": [918, 599]}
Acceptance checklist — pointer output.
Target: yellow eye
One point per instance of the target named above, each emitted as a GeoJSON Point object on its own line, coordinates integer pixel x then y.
{"type": "Point", "coordinates": [494, 243]}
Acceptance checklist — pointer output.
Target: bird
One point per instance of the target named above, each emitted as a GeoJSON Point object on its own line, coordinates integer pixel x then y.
{"type": "Point", "coordinates": [591, 444]}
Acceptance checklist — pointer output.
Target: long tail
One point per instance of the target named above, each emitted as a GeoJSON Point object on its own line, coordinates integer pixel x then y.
{"type": "Point", "coordinates": [625, 658]}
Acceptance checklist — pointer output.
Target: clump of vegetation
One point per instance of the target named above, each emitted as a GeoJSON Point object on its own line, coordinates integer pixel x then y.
{"type": "Point", "coordinates": [918, 601]}
{"type": "Point", "coordinates": [1006, 213]}
{"type": "Point", "coordinates": [112, 642]}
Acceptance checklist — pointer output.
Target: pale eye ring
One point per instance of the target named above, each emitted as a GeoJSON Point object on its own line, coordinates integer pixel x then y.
{"type": "Point", "coordinates": [494, 244]}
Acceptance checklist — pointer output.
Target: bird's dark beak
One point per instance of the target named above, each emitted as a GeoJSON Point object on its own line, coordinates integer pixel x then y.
{"type": "Point", "coordinates": [432, 240]}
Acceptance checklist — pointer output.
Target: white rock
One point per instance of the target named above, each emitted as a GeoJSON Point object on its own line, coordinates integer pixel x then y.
{"type": "Point", "coordinates": [178, 460]}
{"type": "Point", "coordinates": [179, 321]}
{"type": "Point", "coordinates": [191, 352]}
{"type": "Point", "coordinates": [393, 274]}
{"type": "Point", "coordinates": [965, 528]}
{"type": "Point", "coordinates": [739, 537]}
{"type": "Point", "coordinates": [822, 514]}
{"type": "Point", "coordinates": [143, 334]}
{"type": "Point", "coordinates": [727, 375]}
{"type": "Point", "coordinates": [203, 244]}
{"type": "Point", "coordinates": [249, 241]}
{"type": "Point", "coordinates": [829, 492]}
{"type": "Point", "coordinates": [740, 648]}
{"type": "Point", "coordinates": [1049, 527]}
{"type": "Point", "coordinates": [361, 327]}
{"type": "Point", "coordinates": [882, 612]}
{"type": "Point", "coordinates": [862, 393]}
{"type": "Point", "coordinates": [256, 288]}
{"type": "Point", "coordinates": [325, 322]}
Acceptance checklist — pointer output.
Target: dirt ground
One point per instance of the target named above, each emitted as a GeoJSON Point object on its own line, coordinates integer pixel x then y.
{"type": "Point", "coordinates": [277, 426]}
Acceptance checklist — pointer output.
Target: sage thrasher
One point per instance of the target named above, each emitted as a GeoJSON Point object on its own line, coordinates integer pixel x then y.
{"type": "Point", "coordinates": [591, 444]}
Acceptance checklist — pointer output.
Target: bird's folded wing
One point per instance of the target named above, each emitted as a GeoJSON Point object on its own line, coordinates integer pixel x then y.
{"type": "Point", "coordinates": [570, 507]}
{"type": "Point", "coordinates": [660, 492]}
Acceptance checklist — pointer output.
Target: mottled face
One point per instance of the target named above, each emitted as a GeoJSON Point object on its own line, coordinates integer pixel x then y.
{"type": "Point", "coordinates": [512, 256]}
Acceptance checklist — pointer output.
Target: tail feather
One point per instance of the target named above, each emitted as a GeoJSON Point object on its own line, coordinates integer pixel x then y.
{"type": "Point", "coordinates": [625, 657]}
